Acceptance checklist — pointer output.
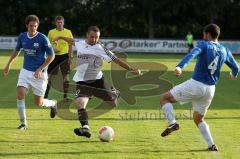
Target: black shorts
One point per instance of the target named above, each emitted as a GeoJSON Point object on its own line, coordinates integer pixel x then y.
{"type": "Point", "coordinates": [97, 88]}
{"type": "Point", "coordinates": [59, 61]}
{"type": "Point", "coordinates": [190, 46]}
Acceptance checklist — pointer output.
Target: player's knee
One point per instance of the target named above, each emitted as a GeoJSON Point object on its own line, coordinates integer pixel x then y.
{"type": "Point", "coordinates": [20, 96]}
{"type": "Point", "coordinates": [81, 102]}
{"type": "Point", "coordinates": [163, 99]}
{"type": "Point", "coordinates": [197, 120]}
{"type": "Point", "coordinates": [39, 103]}
{"type": "Point", "coordinates": [113, 103]}
{"type": "Point", "coordinates": [65, 78]}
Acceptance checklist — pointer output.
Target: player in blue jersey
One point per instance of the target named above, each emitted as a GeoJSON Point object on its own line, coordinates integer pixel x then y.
{"type": "Point", "coordinates": [201, 87]}
{"type": "Point", "coordinates": [33, 75]}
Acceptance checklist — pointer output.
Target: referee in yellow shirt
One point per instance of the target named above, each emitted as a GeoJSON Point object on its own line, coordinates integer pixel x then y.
{"type": "Point", "coordinates": [63, 54]}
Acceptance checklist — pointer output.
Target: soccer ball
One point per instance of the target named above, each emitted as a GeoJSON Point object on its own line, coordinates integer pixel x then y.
{"type": "Point", "coordinates": [105, 134]}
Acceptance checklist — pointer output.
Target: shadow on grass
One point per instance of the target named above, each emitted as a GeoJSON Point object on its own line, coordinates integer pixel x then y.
{"type": "Point", "coordinates": [54, 153]}
{"type": "Point", "coordinates": [73, 142]}
{"type": "Point", "coordinates": [52, 142]}
{"type": "Point", "coordinates": [97, 152]}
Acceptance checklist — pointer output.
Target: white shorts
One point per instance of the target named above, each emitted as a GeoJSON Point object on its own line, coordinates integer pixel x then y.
{"type": "Point", "coordinates": [26, 79]}
{"type": "Point", "coordinates": [199, 94]}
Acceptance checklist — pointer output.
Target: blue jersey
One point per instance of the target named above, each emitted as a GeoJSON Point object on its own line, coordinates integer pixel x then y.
{"type": "Point", "coordinates": [35, 49]}
{"type": "Point", "coordinates": [210, 58]}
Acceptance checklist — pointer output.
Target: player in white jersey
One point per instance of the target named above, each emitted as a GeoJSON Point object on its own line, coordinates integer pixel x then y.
{"type": "Point", "coordinates": [199, 90]}
{"type": "Point", "coordinates": [33, 75]}
{"type": "Point", "coordinates": [89, 77]}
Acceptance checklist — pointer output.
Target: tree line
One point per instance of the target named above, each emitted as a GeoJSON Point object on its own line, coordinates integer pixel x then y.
{"type": "Point", "coordinates": [126, 18]}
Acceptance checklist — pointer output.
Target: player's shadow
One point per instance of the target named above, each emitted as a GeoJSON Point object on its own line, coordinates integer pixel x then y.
{"type": "Point", "coordinates": [169, 151]}
{"type": "Point", "coordinates": [73, 142]}
{"type": "Point", "coordinates": [199, 150]}
{"type": "Point", "coordinates": [16, 141]}
{"type": "Point", "coordinates": [87, 152]}
{"type": "Point", "coordinates": [56, 153]}
{"type": "Point", "coordinates": [8, 128]}
{"type": "Point", "coordinates": [51, 142]}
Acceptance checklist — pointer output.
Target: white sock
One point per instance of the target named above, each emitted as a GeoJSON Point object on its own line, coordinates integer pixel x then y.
{"type": "Point", "coordinates": [22, 111]}
{"type": "Point", "coordinates": [205, 131]}
{"type": "Point", "coordinates": [48, 103]}
{"type": "Point", "coordinates": [86, 126]}
{"type": "Point", "coordinates": [169, 114]}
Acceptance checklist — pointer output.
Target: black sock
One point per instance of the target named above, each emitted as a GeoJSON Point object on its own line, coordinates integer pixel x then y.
{"type": "Point", "coordinates": [83, 117]}
{"type": "Point", "coordinates": [47, 90]}
{"type": "Point", "coordinates": [65, 88]}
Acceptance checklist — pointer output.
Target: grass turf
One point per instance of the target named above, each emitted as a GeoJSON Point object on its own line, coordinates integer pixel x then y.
{"type": "Point", "coordinates": [137, 126]}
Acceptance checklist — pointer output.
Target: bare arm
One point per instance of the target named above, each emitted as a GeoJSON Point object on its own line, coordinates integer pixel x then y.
{"type": "Point", "coordinates": [15, 53]}
{"type": "Point", "coordinates": [121, 63]}
{"type": "Point", "coordinates": [38, 72]}
{"type": "Point", "coordinates": [70, 54]}
{"type": "Point", "coordinates": [127, 66]}
{"type": "Point", "coordinates": [70, 51]}
{"type": "Point", "coordinates": [70, 41]}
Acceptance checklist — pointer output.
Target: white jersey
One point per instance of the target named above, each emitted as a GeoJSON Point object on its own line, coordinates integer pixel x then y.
{"type": "Point", "coordinates": [89, 61]}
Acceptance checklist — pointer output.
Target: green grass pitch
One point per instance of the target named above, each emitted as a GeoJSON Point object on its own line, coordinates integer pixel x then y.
{"type": "Point", "coordinates": [137, 126]}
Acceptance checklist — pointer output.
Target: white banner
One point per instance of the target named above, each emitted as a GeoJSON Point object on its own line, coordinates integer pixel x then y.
{"type": "Point", "coordinates": [7, 43]}
{"type": "Point", "coordinates": [137, 45]}
{"type": "Point", "coordinates": [152, 46]}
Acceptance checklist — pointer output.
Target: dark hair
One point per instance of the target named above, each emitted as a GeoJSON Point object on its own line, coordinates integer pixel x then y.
{"type": "Point", "coordinates": [59, 18]}
{"type": "Point", "coordinates": [93, 28]}
{"type": "Point", "coordinates": [213, 30]}
{"type": "Point", "coordinates": [30, 18]}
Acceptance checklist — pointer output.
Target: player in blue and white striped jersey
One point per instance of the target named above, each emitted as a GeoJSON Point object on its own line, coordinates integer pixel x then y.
{"type": "Point", "coordinates": [201, 87]}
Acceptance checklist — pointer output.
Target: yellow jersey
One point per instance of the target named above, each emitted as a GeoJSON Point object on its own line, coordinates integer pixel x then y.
{"type": "Point", "coordinates": [62, 47]}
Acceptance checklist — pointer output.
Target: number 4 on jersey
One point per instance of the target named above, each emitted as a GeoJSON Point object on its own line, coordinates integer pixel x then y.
{"type": "Point", "coordinates": [213, 65]}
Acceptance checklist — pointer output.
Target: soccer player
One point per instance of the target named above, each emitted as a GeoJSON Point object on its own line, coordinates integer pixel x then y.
{"type": "Point", "coordinates": [33, 75]}
{"type": "Point", "coordinates": [89, 77]}
{"type": "Point", "coordinates": [63, 54]}
{"type": "Point", "coordinates": [189, 39]}
{"type": "Point", "coordinates": [201, 87]}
